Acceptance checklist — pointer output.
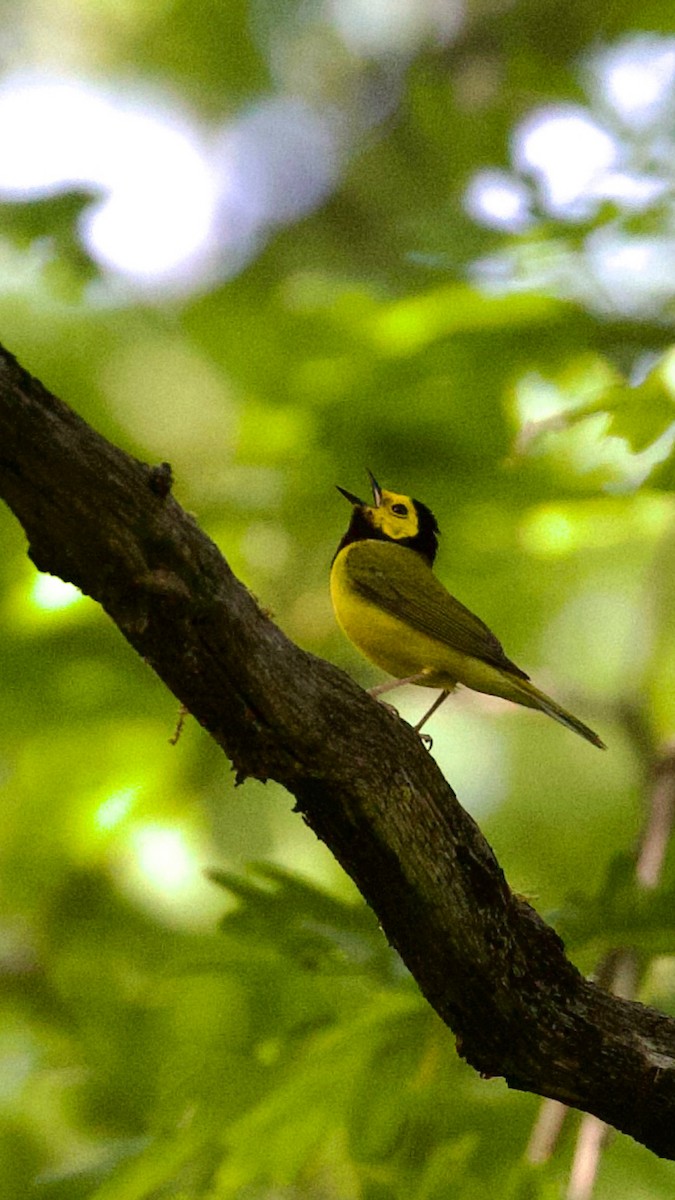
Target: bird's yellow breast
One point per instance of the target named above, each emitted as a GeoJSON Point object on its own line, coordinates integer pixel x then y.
{"type": "Point", "coordinates": [389, 642]}
{"type": "Point", "coordinates": [395, 644]}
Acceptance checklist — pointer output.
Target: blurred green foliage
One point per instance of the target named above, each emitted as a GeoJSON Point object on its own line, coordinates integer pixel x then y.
{"type": "Point", "coordinates": [148, 1048]}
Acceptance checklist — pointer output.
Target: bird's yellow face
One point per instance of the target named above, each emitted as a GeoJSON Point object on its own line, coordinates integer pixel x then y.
{"type": "Point", "coordinates": [395, 516]}
{"type": "Point", "coordinates": [391, 518]}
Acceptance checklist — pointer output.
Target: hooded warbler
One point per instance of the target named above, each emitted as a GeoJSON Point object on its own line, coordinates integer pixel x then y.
{"type": "Point", "coordinates": [390, 604]}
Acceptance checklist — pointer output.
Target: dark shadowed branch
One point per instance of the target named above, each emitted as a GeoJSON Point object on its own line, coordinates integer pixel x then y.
{"type": "Point", "coordinates": [493, 970]}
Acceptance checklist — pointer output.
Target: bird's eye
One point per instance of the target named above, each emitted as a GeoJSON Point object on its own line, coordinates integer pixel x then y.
{"type": "Point", "coordinates": [399, 510]}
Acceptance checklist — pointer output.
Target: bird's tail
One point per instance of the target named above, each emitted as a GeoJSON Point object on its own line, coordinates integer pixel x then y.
{"type": "Point", "coordinates": [530, 696]}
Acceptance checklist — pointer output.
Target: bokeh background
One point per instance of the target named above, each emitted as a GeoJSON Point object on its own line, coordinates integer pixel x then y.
{"type": "Point", "coordinates": [278, 244]}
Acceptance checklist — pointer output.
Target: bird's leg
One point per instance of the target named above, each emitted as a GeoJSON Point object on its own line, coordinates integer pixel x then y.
{"type": "Point", "coordinates": [436, 704]}
{"type": "Point", "coordinates": [389, 687]}
{"type": "Point", "coordinates": [394, 683]}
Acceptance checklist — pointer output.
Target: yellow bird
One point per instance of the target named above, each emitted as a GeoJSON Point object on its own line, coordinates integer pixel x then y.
{"type": "Point", "coordinates": [398, 614]}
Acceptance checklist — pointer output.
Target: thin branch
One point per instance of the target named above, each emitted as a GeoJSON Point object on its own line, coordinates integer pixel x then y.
{"type": "Point", "coordinates": [546, 1131]}
{"type": "Point", "coordinates": [659, 826]}
{"type": "Point", "coordinates": [493, 970]}
{"type": "Point", "coordinates": [588, 1153]}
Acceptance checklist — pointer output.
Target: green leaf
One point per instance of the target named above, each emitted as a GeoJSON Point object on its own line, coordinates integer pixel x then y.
{"type": "Point", "coordinates": [622, 912]}
{"type": "Point", "coordinates": [643, 413]}
{"type": "Point", "coordinates": [320, 932]}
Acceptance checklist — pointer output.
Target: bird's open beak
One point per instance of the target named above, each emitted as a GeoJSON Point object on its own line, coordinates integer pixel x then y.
{"type": "Point", "coordinates": [377, 493]}
{"type": "Point", "coordinates": [351, 497]}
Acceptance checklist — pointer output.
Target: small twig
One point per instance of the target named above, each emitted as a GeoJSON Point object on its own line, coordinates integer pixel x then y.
{"type": "Point", "coordinates": [634, 719]}
{"type": "Point", "coordinates": [657, 831]}
{"type": "Point", "coordinates": [546, 1131]}
{"type": "Point", "coordinates": [183, 712]}
{"type": "Point", "coordinates": [588, 1152]}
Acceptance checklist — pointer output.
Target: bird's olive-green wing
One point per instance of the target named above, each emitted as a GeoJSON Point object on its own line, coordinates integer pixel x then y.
{"type": "Point", "coordinates": [399, 581]}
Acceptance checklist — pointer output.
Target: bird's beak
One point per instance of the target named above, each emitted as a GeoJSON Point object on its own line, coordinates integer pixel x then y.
{"type": "Point", "coordinates": [377, 493]}
{"type": "Point", "coordinates": [377, 490]}
{"type": "Point", "coordinates": [351, 497]}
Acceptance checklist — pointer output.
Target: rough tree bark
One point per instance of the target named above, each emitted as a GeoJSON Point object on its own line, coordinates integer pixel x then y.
{"type": "Point", "coordinates": [489, 965]}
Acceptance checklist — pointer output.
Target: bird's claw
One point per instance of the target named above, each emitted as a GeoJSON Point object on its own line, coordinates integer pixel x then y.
{"type": "Point", "coordinates": [425, 738]}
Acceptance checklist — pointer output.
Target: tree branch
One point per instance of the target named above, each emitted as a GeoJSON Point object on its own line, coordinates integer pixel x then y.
{"type": "Point", "coordinates": [492, 969]}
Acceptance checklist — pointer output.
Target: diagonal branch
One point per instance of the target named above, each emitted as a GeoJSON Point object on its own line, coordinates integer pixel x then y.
{"type": "Point", "coordinates": [483, 958]}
